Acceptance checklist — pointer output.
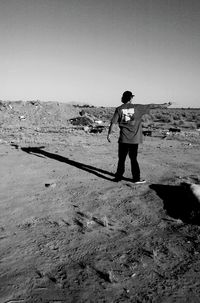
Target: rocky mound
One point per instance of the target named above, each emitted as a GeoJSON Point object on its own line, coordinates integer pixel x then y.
{"type": "Point", "coordinates": [35, 113]}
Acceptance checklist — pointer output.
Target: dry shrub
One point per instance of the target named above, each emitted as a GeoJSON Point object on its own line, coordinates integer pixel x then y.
{"type": "Point", "coordinates": [188, 124]}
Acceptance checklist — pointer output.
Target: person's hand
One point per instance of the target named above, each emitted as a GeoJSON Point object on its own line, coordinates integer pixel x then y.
{"type": "Point", "coordinates": [108, 138]}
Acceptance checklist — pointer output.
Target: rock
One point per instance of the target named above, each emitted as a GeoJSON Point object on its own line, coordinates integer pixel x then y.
{"type": "Point", "coordinates": [98, 121]}
{"type": "Point", "coordinates": [195, 189]}
{"type": "Point", "coordinates": [53, 185]}
{"type": "Point", "coordinates": [112, 277]}
{"type": "Point", "coordinates": [105, 221]}
{"type": "Point", "coordinates": [86, 129]}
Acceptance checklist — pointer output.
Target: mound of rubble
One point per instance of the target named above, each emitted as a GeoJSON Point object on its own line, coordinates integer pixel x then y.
{"type": "Point", "coordinates": [88, 122]}
{"type": "Point", "coordinates": [35, 113]}
{"type": "Point", "coordinates": [35, 121]}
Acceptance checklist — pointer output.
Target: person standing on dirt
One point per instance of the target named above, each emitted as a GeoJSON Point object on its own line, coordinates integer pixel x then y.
{"type": "Point", "coordinates": [129, 118]}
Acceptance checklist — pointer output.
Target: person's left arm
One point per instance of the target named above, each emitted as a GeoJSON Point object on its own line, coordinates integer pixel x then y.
{"type": "Point", "coordinates": [163, 105]}
{"type": "Point", "coordinates": [147, 107]}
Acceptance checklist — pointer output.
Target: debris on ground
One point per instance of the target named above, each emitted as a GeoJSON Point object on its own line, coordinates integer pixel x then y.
{"type": "Point", "coordinates": [68, 233]}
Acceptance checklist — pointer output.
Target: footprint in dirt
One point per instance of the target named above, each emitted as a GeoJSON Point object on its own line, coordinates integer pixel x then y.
{"type": "Point", "coordinates": [88, 222]}
{"type": "Point", "coordinates": [3, 234]}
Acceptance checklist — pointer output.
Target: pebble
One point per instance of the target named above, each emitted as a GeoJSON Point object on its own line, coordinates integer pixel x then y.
{"type": "Point", "coordinates": [53, 185]}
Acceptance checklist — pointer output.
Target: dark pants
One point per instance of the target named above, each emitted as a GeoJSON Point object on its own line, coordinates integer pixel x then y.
{"type": "Point", "coordinates": [132, 151]}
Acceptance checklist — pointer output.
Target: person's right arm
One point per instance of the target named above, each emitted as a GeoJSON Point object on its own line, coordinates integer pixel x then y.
{"type": "Point", "coordinates": [110, 131]}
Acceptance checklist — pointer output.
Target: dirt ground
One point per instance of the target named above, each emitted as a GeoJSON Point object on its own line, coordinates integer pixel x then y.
{"type": "Point", "coordinates": [68, 233]}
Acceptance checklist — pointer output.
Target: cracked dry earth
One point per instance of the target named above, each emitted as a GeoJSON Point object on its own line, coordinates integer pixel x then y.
{"type": "Point", "coordinates": [70, 234]}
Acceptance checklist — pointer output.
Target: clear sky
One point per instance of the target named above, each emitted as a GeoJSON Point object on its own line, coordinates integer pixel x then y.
{"type": "Point", "coordinates": [92, 50]}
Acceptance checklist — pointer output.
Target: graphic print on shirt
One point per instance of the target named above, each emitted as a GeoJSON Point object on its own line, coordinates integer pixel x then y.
{"type": "Point", "coordinates": [127, 114]}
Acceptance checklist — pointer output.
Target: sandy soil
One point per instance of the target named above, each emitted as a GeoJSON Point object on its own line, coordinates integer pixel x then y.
{"type": "Point", "coordinates": [68, 233]}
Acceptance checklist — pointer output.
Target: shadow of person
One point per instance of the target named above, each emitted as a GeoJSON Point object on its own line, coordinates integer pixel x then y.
{"type": "Point", "coordinates": [179, 202]}
{"type": "Point", "coordinates": [38, 151]}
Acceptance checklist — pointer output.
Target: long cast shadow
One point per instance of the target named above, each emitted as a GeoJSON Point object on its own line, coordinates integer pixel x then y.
{"type": "Point", "coordinates": [38, 151]}
{"type": "Point", "coordinates": [179, 202]}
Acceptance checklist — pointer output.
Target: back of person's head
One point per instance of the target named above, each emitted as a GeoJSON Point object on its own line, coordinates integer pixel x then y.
{"type": "Point", "coordinates": [127, 96]}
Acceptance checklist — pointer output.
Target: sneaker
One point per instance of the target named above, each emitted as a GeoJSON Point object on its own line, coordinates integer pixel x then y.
{"type": "Point", "coordinates": [117, 179]}
{"type": "Point", "coordinates": [139, 181]}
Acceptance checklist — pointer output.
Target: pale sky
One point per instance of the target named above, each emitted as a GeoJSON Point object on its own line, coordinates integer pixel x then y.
{"type": "Point", "coordinates": [91, 51]}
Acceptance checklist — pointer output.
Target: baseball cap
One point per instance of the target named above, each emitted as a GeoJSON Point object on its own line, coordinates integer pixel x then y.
{"type": "Point", "coordinates": [127, 94]}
